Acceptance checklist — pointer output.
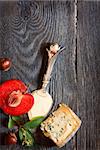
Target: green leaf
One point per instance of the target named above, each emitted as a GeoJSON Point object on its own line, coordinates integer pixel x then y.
{"type": "Point", "coordinates": [34, 123]}
{"type": "Point", "coordinates": [20, 134]}
{"type": "Point", "coordinates": [11, 123]}
{"type": "Point", "coordinates": [29, 140]}
{"type": "Point", "coordinates": [16, 118]}
{"type": "Point", "coordinates": [26, 137]}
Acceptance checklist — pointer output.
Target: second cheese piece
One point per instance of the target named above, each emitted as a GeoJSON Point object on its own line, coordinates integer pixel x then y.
{"type": "Point", "coordinates": [61, 125]}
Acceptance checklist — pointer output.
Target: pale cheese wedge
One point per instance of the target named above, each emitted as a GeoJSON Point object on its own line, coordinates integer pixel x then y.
{"type": "Point", "coordinates": [42, 104]}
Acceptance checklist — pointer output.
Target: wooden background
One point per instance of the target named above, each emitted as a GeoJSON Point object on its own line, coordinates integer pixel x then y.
{"type": "Point", "coordinates": [26, 28]}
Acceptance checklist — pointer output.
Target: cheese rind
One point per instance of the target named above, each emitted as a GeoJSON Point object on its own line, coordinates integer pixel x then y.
{"type": "Point", "coordinates": [61, 125]}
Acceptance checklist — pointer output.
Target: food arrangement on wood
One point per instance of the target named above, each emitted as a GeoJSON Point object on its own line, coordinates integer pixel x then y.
{"type": "Point", "coordinates": [15, 101]}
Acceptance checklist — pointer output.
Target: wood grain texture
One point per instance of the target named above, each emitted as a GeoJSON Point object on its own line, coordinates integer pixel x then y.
{"type": "Point", "coordinates": [88, 74]}
{"type": "Point", "coordinates": [26, 28]}
{"type": "Point", "coordinates": [25, 31]}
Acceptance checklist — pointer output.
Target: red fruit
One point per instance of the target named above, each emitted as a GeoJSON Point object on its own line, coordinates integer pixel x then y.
{"type": "Point", "coordinates": [13, 99]}
{"type": "Point", "coordinates": [10, 138]}
{"type": "Point", "coordinates": [8, 87]}
{"type": "Point", "coordinates": [5, 64]}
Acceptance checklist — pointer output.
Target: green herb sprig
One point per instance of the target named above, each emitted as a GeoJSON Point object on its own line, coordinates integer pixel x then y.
{"type": "Point", "coordinates": [25, 130]}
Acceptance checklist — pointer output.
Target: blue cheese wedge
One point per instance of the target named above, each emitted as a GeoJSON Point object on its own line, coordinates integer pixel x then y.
{"type": "Point", "coordinates": [61, 125]}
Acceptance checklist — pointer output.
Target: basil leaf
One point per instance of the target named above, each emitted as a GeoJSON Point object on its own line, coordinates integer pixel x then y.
{"type": "Point", "coordinates": [20, 134]}
{"type": "Point", "coordinates": [34, 123]}
{"type": "Point", "coordinates": [26, 137]}
{"type": "Point", "coordinates": [16, 118]}
{"type": "Point", "coordinates": [29, 140]}
{"type": "Point", "coordinates": [11, 123]}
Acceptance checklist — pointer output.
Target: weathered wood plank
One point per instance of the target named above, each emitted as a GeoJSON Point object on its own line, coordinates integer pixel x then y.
{"type": "Point", "coordinates": [24, 31]}
{"type": "Point", "coordinates": [88, 74]}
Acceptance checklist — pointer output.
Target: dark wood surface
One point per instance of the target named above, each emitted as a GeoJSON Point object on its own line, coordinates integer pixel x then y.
{"type": "Point", "coordinates": [25, 30]}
